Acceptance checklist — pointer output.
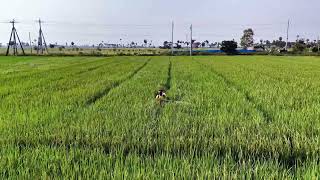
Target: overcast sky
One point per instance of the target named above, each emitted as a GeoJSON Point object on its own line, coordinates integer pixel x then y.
{"type": "Point", "coordinates": [93, 21]}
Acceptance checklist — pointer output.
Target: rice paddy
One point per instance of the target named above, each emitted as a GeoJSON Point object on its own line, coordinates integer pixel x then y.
{"type": "Point", "coordinates": [226, 117]}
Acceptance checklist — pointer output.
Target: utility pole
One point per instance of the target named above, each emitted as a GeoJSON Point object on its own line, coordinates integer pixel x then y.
{"type": "Point", "coordinates": [30, 42]}
{"type": "Point", "coordinates": [187, 39]}
{"type": "Point", "coordinates": [287, 35]}
{"type": "Point", "coordinates": [191, 40]}
{"type": "Point", "coordinates": [13, 40]}
{"type": "Point", "coordinates": [42, 45]}
{"type": "Point", "coordinates": [172, 29]}
{"type": "Point", "coordinates": [318, 44]}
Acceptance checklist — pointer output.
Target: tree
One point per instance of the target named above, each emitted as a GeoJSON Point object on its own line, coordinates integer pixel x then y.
{"type": "Point", "coordinates": [307, 40]}
{"type": "Point", "coordinates": [247, 38]}
{"type": "Point", "coordinates": [229, 47]}
{"type": "Point", "coordinates": [279, 43]}
{"type": "Point", "coordinates": [132, 44]}
{"type": "Point", "coordinates": [308, 43]}
{"type": "Point", "coordinates": [268, 43]}
{"type": "Point", "coordinates": [205, 43]}
{"type": "Point", "coordinates": [178, 44]}
{"type": "Point", "coordinates": [315, 49]}
{"type": "Point", "coordinates": [299, 46]}
{"type": "Point", "coordinates": [166, 45]}
{"type": "Point", "coordinates": [145, 42]}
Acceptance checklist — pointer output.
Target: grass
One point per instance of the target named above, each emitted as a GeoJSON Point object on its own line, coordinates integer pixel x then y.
{"type": "Point", "coordinates": [226, 117]}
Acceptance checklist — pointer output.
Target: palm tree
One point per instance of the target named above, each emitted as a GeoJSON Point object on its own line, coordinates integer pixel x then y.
{"type": "Point", "coordinates": [145, 42]}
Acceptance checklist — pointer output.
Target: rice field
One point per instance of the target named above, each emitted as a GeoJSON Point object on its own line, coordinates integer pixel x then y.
{"type": "Point", "coordinates": [226, 117]}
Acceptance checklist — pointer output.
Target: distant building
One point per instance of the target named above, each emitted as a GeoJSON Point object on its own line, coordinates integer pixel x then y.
{"type": "Point", "coordinates": [110, 45]}
{"type": "Point", "coordinates": [196, 45]}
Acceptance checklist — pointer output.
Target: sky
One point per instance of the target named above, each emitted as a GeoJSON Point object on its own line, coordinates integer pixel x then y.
{"type": "Point", "coordinates": [93, 21]}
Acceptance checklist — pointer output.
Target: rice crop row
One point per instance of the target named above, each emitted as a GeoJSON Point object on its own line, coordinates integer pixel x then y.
{"type": "Point", "coordinates": [225, 117]}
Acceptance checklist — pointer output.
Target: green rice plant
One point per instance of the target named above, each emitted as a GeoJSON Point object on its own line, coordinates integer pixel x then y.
{"type": "Point", "coordinates": [225, 117]}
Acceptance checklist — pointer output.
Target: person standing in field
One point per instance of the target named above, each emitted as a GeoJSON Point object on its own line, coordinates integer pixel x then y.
{"type": "Point", "coordinates": [161, 97]}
